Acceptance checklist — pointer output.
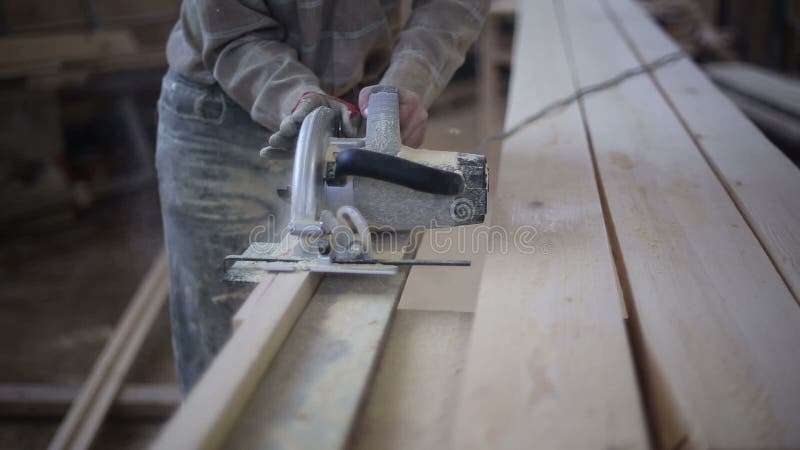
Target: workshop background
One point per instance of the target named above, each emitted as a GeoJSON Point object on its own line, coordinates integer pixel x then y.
{"type": "Point", "coordinates": [80, 224]}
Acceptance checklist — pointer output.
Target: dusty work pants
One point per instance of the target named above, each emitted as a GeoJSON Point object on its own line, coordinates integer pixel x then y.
{"type": "Point", "coordinates": [216, 195]}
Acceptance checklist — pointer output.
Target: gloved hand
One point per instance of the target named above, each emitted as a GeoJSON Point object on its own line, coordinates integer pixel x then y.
{"type": "Point", "coordinates": [285, 137]}
{"type": "Point", "coordinates": [413, 116]}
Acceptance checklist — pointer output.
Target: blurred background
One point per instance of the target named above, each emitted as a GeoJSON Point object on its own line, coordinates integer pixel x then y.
{"type": "Point", "coordinates": [79, 214]}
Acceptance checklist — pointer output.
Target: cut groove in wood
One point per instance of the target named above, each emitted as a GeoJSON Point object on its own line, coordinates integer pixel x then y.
{"type": "Point", "coordinates": [632, 326]}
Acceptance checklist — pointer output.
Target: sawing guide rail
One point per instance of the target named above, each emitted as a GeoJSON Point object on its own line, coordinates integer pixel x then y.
{"type": "Point", "coordinates": [393, 262]}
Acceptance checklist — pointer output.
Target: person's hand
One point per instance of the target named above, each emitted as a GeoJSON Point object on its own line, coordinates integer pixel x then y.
{"type": "Point", "coordinates": [290, 126]}
{"type": "Point", "coordinates": [413, 116]}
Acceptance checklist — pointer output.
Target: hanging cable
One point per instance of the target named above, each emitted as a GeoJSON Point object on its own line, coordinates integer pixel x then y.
{"type": "Point", "coordinates": [582, 92]}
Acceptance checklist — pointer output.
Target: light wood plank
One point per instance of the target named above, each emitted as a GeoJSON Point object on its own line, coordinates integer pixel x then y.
{"type": "Point", "coordinates": [48, 401]}
{"type": "Point", "coordinates": [212, 407]}
{"type": "Point", "coordinates": [765, 86]}
{"type": "Point", "coordinates": [785, 129]}
{"type": "Point", "coordinates": [452, 288]}
{"type": "Point", "coordinates": [763, 182]}
{"type": "Point", "coordinates": [256, 297]}
{"type": "Point", "coordinates": [60, 47]}
{"type": "Point", "coordinates": [269, 387]}
{"type": "Point", "coordinates": [309, 397]}
{"type": "Point", "coordinates": [549, 363]}
{"type": "Point", "coordinates": [85, 416]}
{"type": "Point", "coordinates": [719, 330]}
{"type": "Point", "coordinates": [413, 398]}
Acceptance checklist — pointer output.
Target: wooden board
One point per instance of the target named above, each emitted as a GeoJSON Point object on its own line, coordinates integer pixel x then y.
{"type": "Point", "coordinates": [445, 289]}
{"type": "Point", "coordinates": [765, 86]}
{"type": "Point", "coordinates": [54, 59]}
{"type": "Point", "coordinates": [549, 363]}
{"type": "Point", "coordinates": [413, 398]}
{"type": "Point", "coordinates": [215, 403]}
{"type": "Point", "coordinates": [718, 330]}
{"type": "Point", "coordinates": [764, 184]}
{"type": "Point", "coordinates": [15, 51]}
{"type": "Point", "coordinates": [257, 297]}
{"type": "Point", "coordinates": [782, 127]}
{"type": "Point", "coordinates": [270, 387]}
{"type": "Point", "coordinates": [454, 128]}
{"type": "Point", "coordinates": [309, 397]}
{"type": "Point", "coordinates": [30, 15]}
{"type": "Point", "coordinates": [52, 401]}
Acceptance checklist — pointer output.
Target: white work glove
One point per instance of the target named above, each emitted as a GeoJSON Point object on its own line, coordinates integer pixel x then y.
{"type": "Point", "coordinates": [413, 115]}
{"type": "Point", "coordinates": [285, 137]}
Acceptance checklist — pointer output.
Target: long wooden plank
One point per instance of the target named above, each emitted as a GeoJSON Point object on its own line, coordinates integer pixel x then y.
{"type": "Point", "coordinates": [20, 50]}
{"type": "Point", "coordinates": [719, 332]}
{"type": "Point", "coordinates": [785, 129]}
{"type": "Point", "coordinates": [765, 86]}
{"type": "Point", "coordinates": [211, 409]}
{"type": "Point", "coordinates": [413, 398]}
{"type": "Point", "coordinates": [454, 289]}
{"type": "Point", "coordinates": [309, 397]}
{"type": "Point", "coordinates": [86, 414]}
{"type": "Point", "coordinates": [549, 363]}
{"type": "Point", "coordinates": [52, 401]}
{"type": "Point", "coordinates": [256, 297]}
{"type": "Point", "coordinates": [762, 181]}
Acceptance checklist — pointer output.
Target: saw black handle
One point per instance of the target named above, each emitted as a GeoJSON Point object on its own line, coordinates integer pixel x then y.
{"type": "Point", "coordinates": [392, 169]}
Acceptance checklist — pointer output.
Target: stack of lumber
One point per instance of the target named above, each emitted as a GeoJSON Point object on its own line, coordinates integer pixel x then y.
{"type": "Point", "coordinates": [41, 38]}
{"type": "Point", "coordinates": [691, 23]}
{"type": "Point", "coordinates": [651, 299]}
{"type": "Point", "coordinates": [768, 98]}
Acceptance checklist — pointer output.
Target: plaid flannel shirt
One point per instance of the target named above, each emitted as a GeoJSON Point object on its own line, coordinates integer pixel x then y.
{"type": "Point", "coordinates": [266, 53]}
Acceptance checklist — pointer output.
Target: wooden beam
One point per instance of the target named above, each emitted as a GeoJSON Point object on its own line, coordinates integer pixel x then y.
{"type": "Point", "coordinates": [452, 289]}
{"type": "Point", "coordinates": [255, 298]}
{"type": "Point", "coordinates": [267, 389]}
{"type": "Point", "coordinates": [86, 414]}
{"type": "Point", "coordinates": [764, 184]}
{"type": "Point", "coordinates": [46, 400]}
{"type": "Point", "coordinates": [785, 130]}
{"type": "Point", "coordinates": [59, 47]}
{"type": "Point", "coordinates": [413, 399]}
{"type": "Point", "coordinates": [718, 332]}
{"type": "Point", "coordinates": [549, 363]}
{"type": "Point", "coordinates": [312, 392]}
{"type": "Point", "coordinates": [770, 88]}
{"type": "Point", "coordinates": [215, 403]}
